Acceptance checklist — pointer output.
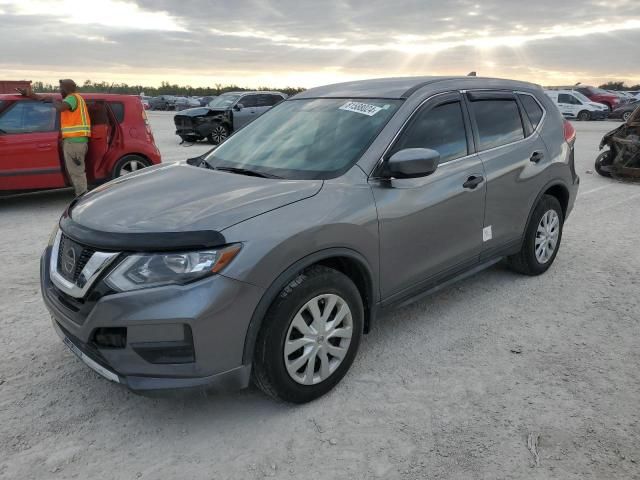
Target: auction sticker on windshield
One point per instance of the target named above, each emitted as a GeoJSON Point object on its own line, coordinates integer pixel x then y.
{"type": "Point", "coordinates": [363, 108]}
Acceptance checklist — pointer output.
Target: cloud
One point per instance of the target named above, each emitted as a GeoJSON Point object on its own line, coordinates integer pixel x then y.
{"type": "Point", "coordinates": [252, 42]}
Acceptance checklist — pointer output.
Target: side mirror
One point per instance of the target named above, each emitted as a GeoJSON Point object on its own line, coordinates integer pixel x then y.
{"type": "Point", "coordinates": [238, 107]}
{"type": "Point", "coordinates": [412, 163]}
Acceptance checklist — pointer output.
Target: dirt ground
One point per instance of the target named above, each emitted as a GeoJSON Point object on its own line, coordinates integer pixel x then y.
{"type": "Point", "coordinates": [473, 382]}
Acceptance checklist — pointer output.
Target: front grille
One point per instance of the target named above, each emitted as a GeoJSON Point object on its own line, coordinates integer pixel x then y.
{"type": "Point", "coordinates": [72, 258]}
{"type": "Point", "coordinates": [183, 122]}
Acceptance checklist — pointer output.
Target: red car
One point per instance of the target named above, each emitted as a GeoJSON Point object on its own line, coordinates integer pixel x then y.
{"type": "Point", "coordinates": [30, 142]}
{"type": "Point", "coordinates": [599, 95]}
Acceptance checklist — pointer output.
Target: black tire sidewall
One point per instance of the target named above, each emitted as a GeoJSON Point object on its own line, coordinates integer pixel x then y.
{"type": "Point", "coordinates": [584, 115]}
{"type": "Point", "coordinates": [270, 349]}
{"type": "Point", "coordinates": [600, 162]}
{"type": "Point", "coordinates": [546, 203]}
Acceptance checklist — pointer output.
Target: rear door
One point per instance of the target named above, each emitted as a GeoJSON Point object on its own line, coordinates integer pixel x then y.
{"type": "Point", "coordinates": [514, 157]}
{"type": "Point", "coordinates": [569, 105]}
{"type": "Point", "coordinates": [103, 131]}
{"type": "Point", "coordinates": [29, 147]}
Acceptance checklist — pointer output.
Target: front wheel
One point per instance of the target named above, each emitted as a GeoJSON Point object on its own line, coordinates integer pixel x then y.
{"type": "Point", "coordinates": [219, 134]}
{"type": "Point", "coordinates": [626, 116]}
{"type": "Point", "coordinates": [604, 159]}
{"type": "Point", "coordinates": [309, 336]}
{"type": "Point", "coordinates": [129, 164]}
{"type": "Point", "coordinates": [541, 239]}
{"type": "Point", "coordinates": [584, 115]}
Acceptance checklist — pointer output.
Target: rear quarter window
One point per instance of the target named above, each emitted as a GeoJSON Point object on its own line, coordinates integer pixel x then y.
{"type": "Point", "coordinates": [533, 109]}
{"type": "Point", "coordinates": [499, 122]}
{"type": "Point", "coordinates": [118, 110]}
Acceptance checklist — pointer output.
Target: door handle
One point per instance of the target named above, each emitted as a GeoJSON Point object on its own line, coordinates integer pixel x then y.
{"type": "Point", "coordinates": [473, 181]}
{"type": "Point", "coordinates": [44, 145]}
{"type": "Point", "coordinates": [536, 156]}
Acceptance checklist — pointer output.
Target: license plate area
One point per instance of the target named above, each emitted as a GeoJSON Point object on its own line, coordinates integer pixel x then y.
{"type": "Point", "coordinates": [92, 364]}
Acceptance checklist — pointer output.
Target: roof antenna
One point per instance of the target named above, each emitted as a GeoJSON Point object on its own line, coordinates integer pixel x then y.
{"type": "Point", "coordinates": [472, 74]}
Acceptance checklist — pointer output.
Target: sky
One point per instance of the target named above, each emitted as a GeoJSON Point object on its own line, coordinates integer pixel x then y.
{"type": "Point", "coordinates": [304, 43]}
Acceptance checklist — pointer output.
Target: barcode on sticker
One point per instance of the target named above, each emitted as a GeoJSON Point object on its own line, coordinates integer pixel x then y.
{"type": "Point", "coordinates": [363, 108]}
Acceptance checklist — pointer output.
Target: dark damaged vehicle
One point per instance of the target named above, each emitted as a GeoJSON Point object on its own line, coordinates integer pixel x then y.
{"type": "Point", "coordinates": [622, 160]}
{"type": "Point", "coordinates": [224, 115]}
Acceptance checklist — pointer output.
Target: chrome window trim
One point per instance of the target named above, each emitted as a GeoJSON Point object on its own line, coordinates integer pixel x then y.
{"type": "Point", "coordinates": [93, 268]}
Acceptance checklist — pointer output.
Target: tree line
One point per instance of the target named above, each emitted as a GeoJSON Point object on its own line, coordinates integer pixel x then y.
{"type": "Point", "coordinates": [617, 86]}
{"type": "Point", "coordinates": [165, 88]}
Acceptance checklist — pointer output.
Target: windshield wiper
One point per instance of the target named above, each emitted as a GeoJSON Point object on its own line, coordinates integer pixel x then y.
{"type": "Point", "coordinates": [244, 171]}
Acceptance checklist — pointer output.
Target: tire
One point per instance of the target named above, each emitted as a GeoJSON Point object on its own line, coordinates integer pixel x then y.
{"type": "Point", "coordinates": [626, 116]}
{"type": "Point", "coordinates": [527, 261]}
{"type": "Point", "coordinates": [219, 133]}
{"type": "Point", "coordinates": [128, 164]}
{"type": "Point", "coordinates": [603, 159]}
{"type": "Point", "coordinates": [272, 364]}
{"type": "Point", "coordinates": [584, 115]}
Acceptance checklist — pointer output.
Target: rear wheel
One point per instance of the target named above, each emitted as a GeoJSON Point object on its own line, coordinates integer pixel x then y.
{"type": "Point", "coordinates": [309, 337]}
{"type": "Point", "coordinates": [219, 134]}
{"type": "Point", "coordinates": [542, 238]}
{"type": "Point", "coordinates": [584, 115]}
{"type": "Point", "coordinates": [604, 159]}
{"type": "Point", "coordinates": [129, 164]}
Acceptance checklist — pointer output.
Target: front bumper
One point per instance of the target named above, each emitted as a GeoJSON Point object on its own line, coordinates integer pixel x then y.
{"type": "Point", "coordinates": [216, 311]}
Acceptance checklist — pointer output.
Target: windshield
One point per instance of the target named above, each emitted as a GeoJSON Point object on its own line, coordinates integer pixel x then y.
{"type": "Point", "coordinates": [306, 139]}
{"type": "Point", "coordinates": [224, 101]}
{"type": "Point", "coordinates": [581, 97]}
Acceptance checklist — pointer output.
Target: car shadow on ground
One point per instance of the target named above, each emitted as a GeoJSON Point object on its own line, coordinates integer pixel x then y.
{"type": "Point", "coordinates": [36, 200]}
{"type": "Point", "coordinates": [251, 404]}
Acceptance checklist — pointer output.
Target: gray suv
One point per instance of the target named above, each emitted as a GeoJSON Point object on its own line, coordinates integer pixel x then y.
{"type": "Point", "coordinates": [270, 256]}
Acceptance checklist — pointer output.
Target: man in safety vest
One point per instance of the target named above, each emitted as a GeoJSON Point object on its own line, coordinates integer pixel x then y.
{"type": "Point", "coordinates": [76, 130]}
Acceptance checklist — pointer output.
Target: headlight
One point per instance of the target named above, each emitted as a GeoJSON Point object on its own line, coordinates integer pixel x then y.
{"type": "Point", "coordinates": [152, 270]}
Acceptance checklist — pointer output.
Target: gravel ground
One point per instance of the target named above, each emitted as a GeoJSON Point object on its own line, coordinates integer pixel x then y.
{"type": "Point", "coordinates": [457, 386]}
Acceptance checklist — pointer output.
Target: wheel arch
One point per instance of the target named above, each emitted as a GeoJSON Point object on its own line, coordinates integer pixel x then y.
{"type": "Point", "coordinates": [345, 260]}
{"type": "Point", "coordinates": [129, 154]}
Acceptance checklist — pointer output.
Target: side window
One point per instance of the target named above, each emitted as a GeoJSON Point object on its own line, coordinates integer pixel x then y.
{"type": "Point", "coordinates": [274, 100]}
{"type": "Point", "coordinates": [249, 101]}
{"type": "Point", "coordinates": [498, 121]}
{"type": "Point", "coordinates": [533, 109]}
{"type": "Point", "coordinates": [564, 98]}
{"type": "Point", "coordinates": [118, 110]}
{"type": "Point", "coordinates": [440, 128]}
{"type": "Point", "coordinates": [29, 117]}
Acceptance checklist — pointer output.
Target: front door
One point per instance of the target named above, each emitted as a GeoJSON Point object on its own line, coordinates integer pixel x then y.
{"type": "Point", "coordinates": [29, 147]}
{"type": "Point", "coordinates": [431, 226]}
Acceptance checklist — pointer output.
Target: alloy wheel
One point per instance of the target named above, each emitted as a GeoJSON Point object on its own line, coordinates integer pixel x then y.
{"type": "Point", "coordinates": [131, 166]}
{"type": "Point", "coordinates": [318, 339]}
{"type": "Point", "coordinates": [626, 116]}
{"type": "Point", "coordinates": [547, 236]}
{"type": "Point", "coordinates": [219, 134]}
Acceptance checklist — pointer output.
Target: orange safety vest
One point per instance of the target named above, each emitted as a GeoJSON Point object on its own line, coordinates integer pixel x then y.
{"type": "Point", "coordinates": [76, 123]}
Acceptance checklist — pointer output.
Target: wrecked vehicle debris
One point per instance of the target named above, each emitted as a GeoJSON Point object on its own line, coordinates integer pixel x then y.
{"type": "Point", "coordinates": [622, 160]}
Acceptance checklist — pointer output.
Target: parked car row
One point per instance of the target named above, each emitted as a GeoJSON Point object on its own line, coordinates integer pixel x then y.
{"type": "Point", "coordinates": [224, 115]}
{"type": "Point", "coordinates": [172, 102]}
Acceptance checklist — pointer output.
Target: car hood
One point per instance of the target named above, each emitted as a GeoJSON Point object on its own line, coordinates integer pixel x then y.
{"type": "Point", "coordinates": [193, 112]}
{"type": "Point", "coordinates": [179, 197]}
